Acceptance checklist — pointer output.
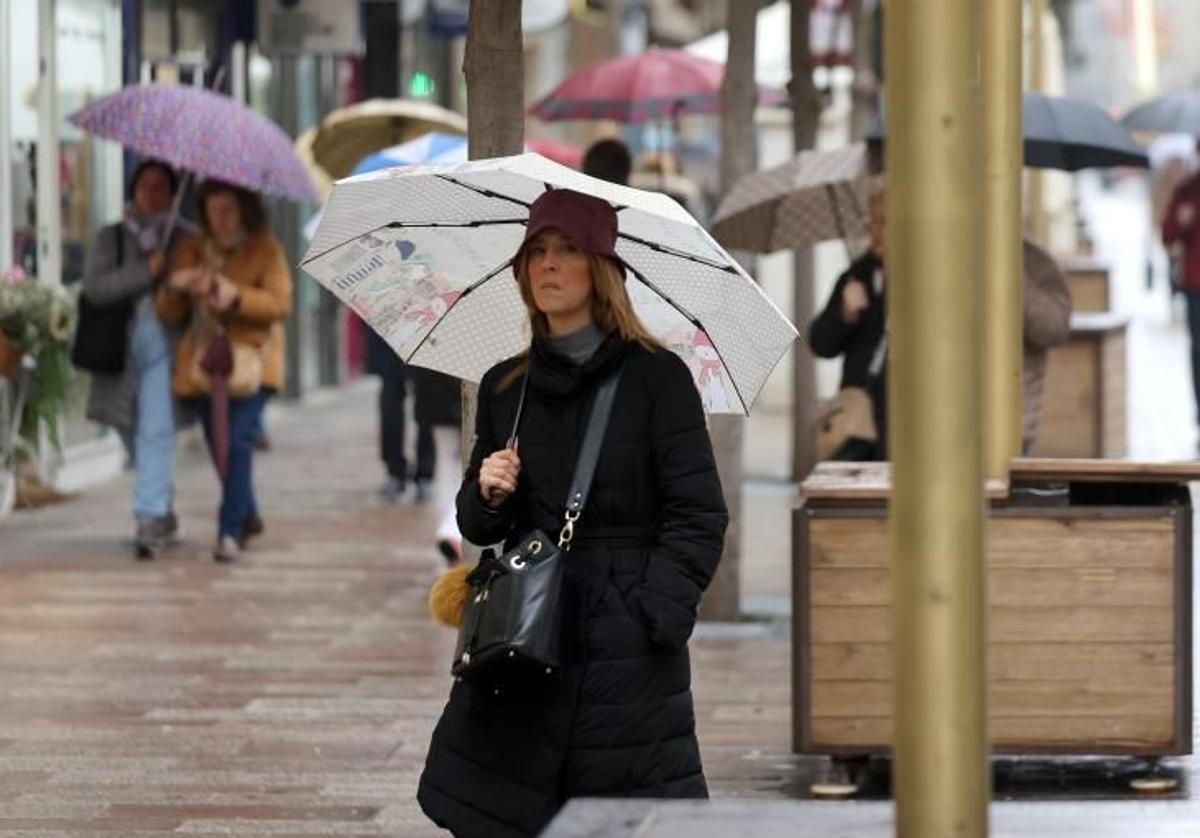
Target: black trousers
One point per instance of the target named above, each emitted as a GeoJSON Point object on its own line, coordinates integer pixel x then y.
{"type": "Point", "coordinates": [392, 422]}
{"type": "Point", "coordinates": [426, 452]}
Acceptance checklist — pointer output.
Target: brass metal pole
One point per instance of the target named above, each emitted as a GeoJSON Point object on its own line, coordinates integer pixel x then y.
{"type": "Point", "coordinates": [934, 173]}
{"type": "Point", "coordinates": [1003, 314]}
{"type": "Point", "coordinates": [1038, 223]}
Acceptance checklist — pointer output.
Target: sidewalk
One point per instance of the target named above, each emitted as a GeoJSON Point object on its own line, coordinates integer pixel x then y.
{"type": "Point", "coordinates": [292, 693]}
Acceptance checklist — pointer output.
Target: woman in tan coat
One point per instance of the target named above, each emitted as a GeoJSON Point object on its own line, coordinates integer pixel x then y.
{"type": "Point", "coordinates": [233, 275]}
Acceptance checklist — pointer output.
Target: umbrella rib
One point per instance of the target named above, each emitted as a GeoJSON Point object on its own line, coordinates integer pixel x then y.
{"type": "Point", "coordinates": [670, 251]}
{"type": "Point", "coordinates": [695, 321]}
{"type": "Point", "coordinates": [489, 276]}
{"type": "Point", "coordinates": [490, 193]}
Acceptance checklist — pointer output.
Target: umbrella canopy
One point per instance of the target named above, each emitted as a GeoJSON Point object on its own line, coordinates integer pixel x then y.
{"type": "Point", "coordinates": [438, 149]}
{"type": "Point", "coordinates": [655, 84]}
{"type": "Point", "coordinates": [1175, 113]}
{"type": "Point", "coordinates": [557, 150]}
{"type": "Point", "coordinates": [1069, 135]}
{"type": "Point", "coordinates": [816, 196]}
{"type": "Point", "coordinates": [332, 149]}
{"type": "Point", "coordinates": [423, 255]}
{"type": "Point", "coordinates": [203, 132]}
{"type": "Point", "coordinates": [432, 149]}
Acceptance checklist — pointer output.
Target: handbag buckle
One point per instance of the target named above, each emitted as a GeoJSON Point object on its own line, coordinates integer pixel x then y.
{"type": "Point", "coordinates": [568, 531]}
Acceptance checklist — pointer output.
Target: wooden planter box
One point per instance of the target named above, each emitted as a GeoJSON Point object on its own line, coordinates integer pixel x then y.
{"type": "Point", "coordinates": [1089, 591]}
{"type": "Point", "coordinates": [1083, 409]}
{"type": "Point", "coordinates": [1088, 281]}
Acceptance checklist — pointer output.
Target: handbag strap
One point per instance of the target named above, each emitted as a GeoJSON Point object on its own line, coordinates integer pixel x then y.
{"type": "Point", "coordinates": [589, 455]}
{"type": "Point", "coordinates": [589, 450]}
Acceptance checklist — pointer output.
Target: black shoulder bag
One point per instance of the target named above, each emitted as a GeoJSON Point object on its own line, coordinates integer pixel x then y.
{"type": "Point", "coordinates": [513, 618]}
{"type": "Point", "coordinates": [102, 331]}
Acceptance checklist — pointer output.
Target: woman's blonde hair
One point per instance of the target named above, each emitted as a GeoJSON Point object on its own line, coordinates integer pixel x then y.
{"type": "Point", "coordinates": [612, 310]}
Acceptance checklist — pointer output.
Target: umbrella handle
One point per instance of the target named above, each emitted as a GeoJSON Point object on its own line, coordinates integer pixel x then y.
{"type": "Point", "coordinates": [176, 203]}
{"type": "Point", "coordinates": [177, 200]}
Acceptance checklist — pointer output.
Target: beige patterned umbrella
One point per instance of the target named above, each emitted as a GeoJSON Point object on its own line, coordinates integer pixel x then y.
{"type": "Point", "coordinates": [332, 149]}
{"type": "Point", "coordinates": [815, 197]}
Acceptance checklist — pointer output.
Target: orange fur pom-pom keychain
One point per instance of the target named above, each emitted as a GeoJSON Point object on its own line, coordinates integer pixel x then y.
{"type": "Point", "coordinates": [448, 596]}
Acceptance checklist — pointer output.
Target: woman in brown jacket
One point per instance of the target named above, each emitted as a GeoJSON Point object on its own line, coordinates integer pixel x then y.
{"type": "Point", "coordinates": [233, 274]}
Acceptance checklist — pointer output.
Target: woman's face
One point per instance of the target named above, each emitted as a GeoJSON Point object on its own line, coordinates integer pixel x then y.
{"type": "Point", "coordinates": [224, 216]}
{"type": "Point", "coordinates": [152, 192]}
{"type": "Point", "coordinates": [559, 278]}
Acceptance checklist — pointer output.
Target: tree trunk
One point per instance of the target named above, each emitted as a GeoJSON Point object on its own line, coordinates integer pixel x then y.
{"type": "Point", "coordinates": [739, 95]}
{"type": "Point", "coordinates": [806, 112]}
{"type": "Point", "coordinates": [494, 66]}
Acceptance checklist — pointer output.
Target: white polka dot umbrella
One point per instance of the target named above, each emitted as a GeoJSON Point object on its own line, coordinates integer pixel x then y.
{"type": "Point", "coordinates": [422, 255]}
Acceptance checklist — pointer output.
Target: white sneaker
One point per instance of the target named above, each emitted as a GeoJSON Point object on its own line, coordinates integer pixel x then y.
{"type": "Point", "coordinates": [226, 550]}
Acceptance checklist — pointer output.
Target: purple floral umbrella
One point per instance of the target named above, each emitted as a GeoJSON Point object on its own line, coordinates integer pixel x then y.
{"type": "Point", "coordinates": [202, 132]}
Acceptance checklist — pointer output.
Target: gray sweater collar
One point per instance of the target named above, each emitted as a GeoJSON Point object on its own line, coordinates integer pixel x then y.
{"type": "Point", "coordinates": [577, 346]}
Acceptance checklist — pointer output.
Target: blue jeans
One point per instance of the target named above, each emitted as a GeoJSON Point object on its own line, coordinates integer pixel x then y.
{"type": "Point", "coordinates": [153, 443]}
{"type": "Point", "coordinates": [237, 492]}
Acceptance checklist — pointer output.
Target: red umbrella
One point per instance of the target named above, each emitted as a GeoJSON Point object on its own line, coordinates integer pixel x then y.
{"type": "Point", "coordinates": [558, 151]}
{"type": "Point", "coordinates": [657, 84]}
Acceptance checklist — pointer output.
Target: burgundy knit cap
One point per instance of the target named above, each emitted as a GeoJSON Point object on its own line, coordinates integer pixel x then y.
{"type": "Point", "coordinates": [588, 221]}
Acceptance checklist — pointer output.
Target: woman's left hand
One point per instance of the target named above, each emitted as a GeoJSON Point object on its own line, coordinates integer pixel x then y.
{"type": "Point", "coordinates": [224, 294]}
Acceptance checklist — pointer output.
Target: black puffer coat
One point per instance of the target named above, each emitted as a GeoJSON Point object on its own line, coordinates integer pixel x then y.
{"type": "Point", "coordinates": [618, 721]}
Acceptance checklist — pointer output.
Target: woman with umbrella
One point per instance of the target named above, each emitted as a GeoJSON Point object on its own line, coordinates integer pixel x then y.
{"type": "Point", "coordinates": [125, 262]}
{"type": "Point", "coordinates": [230, 285]}
{"type": "Point", "coordinates": [618, 720]}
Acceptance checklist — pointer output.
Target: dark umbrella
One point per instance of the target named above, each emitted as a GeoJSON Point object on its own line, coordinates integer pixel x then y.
{"type": "Point", "coordinates": [1069, 135]}
{"type": "Point", "coordinates": [1175, 113]}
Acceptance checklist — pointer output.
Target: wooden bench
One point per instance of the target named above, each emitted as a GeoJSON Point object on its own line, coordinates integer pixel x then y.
{"type": "Point", "coordinates": [1089, 590]}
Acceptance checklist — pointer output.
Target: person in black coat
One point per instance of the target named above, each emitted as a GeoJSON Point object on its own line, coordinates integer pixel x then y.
{"type": "Point", "coordinates": [393, 391]}
{"type": "Point", "coordinates": [618, 718]}
{"type": "Point", "coordinates": [853, 324]}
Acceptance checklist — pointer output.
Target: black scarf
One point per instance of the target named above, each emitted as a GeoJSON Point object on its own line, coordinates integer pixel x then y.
{"type": "Point", "coordinates": [555, 375]}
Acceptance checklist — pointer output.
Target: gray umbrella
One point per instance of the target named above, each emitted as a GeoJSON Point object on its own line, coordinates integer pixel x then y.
{"type": "Point", "coordinates": [1069, 134]}
{"type": "Point", "coordinates": [814, 197]}
{"type": "Point", "coordinates": [1175, 113]}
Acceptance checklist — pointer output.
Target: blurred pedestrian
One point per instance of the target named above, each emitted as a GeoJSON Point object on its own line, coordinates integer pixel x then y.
{"type": "Point", "coordinates": [232, 278]}
{"type": "Point", "coordinates": [853, 325]}
{"type": "Point", "coordinates": [125, 262]}
{"type": "Point", "coordinates": [616, 720]}
{"type": "Point", "coordinates": [1181, 235]}
{"type": "Point", "coordinates": [437, 401]}
{"type": "Point", "coordinates": [381, 361]}
{"type": "Point", "coordinates": [608, 159]}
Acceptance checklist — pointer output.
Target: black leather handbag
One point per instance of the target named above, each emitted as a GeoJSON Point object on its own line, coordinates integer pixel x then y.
{"type": "Point", "coordinates": [513, 618]}
{"type": "Point", "coordinates": [102, 331]}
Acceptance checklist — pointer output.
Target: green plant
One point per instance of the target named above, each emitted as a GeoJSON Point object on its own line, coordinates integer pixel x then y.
{"type": "Point", "coordinates": [40, 319]}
